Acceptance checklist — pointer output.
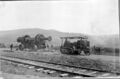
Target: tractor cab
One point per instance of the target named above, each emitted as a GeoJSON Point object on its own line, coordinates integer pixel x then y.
{"type": "Point", "coordinates": [75, 45]}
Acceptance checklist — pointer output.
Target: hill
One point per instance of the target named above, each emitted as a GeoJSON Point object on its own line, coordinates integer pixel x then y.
{"type": "Point", "coordinates": [8, 37]}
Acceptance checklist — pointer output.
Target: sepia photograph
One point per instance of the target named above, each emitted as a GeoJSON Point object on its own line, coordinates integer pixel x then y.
{"type": "Point", "coordinates": [59, 39]}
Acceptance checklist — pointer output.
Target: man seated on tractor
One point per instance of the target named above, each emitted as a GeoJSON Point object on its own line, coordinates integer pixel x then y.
{"type": "Point", "coordinates": [67, 43]}
{"type": "Point", "coordinates": [81, 46]}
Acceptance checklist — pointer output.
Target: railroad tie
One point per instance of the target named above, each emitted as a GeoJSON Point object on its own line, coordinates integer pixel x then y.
{"type": "Point", "coordinates": [25, 65]}
{"type": "Point", "coordinates": [51, 72]}
{"type": "Point", "coordinates": [104, 75]}
{"type": "Point", "coordinates": [92, 73]}
{"type": "Point", "coordinates": [39, 69]}
{"type": "Point", "coordinates": [80, 71]}
{"type": "Point", "coordinates": [20, 64]}
{"type": "Point", "coordinates": [77, 77]}
{"type": "Point", "coordinates": [115, 77]}
{"type": "Point", "coordinates": [31, 67]}
{"type": "Point", "coordinates": [13, 63]}
{"type": "Point", "coordinates": [46, 71]}
{"type": "Point", "coordinates": [64, 75]}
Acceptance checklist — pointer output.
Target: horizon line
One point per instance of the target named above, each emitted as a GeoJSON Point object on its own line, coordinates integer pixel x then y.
{"type": "Point", "coordinates": [55, 30]}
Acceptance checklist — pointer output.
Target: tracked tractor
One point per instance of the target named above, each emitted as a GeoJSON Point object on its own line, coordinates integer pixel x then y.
{"type": "Point", "coordinates": [75, 45]}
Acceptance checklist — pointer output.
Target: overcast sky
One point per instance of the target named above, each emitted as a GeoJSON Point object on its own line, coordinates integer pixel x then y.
{"type": "Point", "coordinates": [94, 17]}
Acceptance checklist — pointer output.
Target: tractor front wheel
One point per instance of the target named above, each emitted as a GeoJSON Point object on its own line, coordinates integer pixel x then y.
{"type": "Point", "coordinates": [66, 50]}
{"type": "Point", "coordinates": [87, 53]}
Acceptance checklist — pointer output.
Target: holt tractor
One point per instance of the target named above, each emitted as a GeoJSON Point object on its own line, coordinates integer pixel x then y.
{"type": "Point", "coordinates": [75, 45]}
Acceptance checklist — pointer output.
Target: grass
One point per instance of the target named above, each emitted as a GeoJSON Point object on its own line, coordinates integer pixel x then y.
{"type": "Point", "coordinates": [67, 60]}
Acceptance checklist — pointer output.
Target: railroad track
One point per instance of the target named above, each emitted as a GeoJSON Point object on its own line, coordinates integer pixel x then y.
{"type": "Point", "coordinates": [65, 70]}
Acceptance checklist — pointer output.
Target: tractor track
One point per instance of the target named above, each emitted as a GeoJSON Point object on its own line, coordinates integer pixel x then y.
{"type": "Point", "coordinates": [68, 70]}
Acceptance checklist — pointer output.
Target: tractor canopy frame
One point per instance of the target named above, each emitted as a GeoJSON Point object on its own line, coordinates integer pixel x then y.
{"type": "Point", "coordinates": [73, 37]}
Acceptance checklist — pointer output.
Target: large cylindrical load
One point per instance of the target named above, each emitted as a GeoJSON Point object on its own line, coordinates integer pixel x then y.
{"type": "Point", "coordinates": [40, 40]}
{"type": "Point", "coordinates": [26, 41]}
{"type": "Point", "coordinates": [88, 43]}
